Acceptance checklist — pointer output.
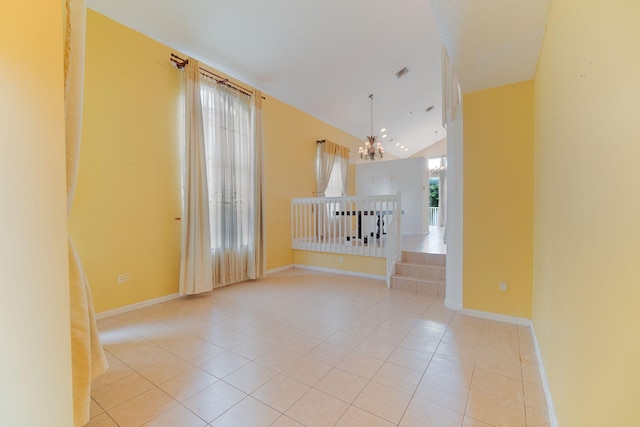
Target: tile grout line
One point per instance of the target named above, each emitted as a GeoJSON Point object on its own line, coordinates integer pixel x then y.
{"type": "Point", "coordinates": [391, 311]}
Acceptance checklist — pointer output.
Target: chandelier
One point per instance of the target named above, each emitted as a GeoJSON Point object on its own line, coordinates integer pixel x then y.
{"type": "Point", "coordinates": [372, 148]}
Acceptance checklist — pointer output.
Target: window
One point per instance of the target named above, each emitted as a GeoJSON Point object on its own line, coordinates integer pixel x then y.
{"type": "Point", "coordinates": [334, 189]}
{"type": "Point", "coordinates": [336, 156]}
{"type": "Point", "coordinates": [230, 151]}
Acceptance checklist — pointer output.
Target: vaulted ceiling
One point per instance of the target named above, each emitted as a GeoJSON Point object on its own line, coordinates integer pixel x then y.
{"type": "Point", "coordinates": [326, 57]}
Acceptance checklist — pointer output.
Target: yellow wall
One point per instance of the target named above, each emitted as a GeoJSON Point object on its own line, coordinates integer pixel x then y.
{"type": "Point", "coordinates": [351, 263]}
{"type": "Point", "coordinates": [351, 180]}
{"type": "Point", "coordinates": [129, 178]}
{"type": "Point", "coordinates": [498, 199]}
{"type": "Point", "coordinates": [290, 147]}
{"type": "Point", "coordinates": [587, 216]}
{"type": "Point", "coordinates": [35, 363]}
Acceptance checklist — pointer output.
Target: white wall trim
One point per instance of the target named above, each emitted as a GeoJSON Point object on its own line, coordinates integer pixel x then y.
{"type": "Point", "coordinates": [455, 212]}
{"type": "Point", "coordinates": [166, 298]}
{"type": "Point", "coordinates": [136, 306]}
{"type": "Point", "coordinates": [497, 317]}
{"type": "Point", "coordinates": [343, 272]}
{"type": "Point", "coordinates": [452, 305]}
{"type": "Point", "coordinates": [553, 418]}
{"type": "Point", "coordinates": [278, 269]}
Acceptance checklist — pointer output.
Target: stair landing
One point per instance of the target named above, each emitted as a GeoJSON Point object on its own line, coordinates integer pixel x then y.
{"type": "Point", "coordinates": [432, 242]}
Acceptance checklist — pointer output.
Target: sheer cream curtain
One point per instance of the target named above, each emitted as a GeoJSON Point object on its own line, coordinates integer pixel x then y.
{"type": "Point", "coordinates": [325, 159]}
{"type": "Point", "coordinates": [256, 263]}
{"type": "Point", "coordinates": [87, 356]}
{"type": "Point", "coordinates": [329, 156]}
{"type": "Point", "coordinates": [234, 182]}
{"type": "Point", "coordinates": [196, 273]}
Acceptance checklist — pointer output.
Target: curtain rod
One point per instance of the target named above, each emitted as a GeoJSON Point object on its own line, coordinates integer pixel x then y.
{"type": "Point", "coordinates": [322, 141]}
{"type": "Point", "coordinates": [180, 63]}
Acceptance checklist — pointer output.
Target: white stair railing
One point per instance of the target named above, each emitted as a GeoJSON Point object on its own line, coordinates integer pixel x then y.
{"type": "Point", "coordinates": [346, 225]}
{"type": "Point", "coordinates": [433, 216]}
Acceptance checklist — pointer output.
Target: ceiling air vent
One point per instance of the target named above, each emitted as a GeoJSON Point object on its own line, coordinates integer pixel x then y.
{"type": "Point", "coordinates": [402, 72]}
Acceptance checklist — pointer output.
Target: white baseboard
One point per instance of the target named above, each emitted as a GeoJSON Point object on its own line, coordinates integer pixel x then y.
{"type": "Point", "coordinates": [135, 306]}
{"type": "Point", "coordinates": [344, 272]}
{"type": "Point", "coordinates": [452, 305]}
{"type": "Point", "coordinates": [497, 317]}
{"type": "Point", "coordinates": [278, 269]}
{"type": "Point", "coordinates": [154, 301]}
{"type": "Point", "coordinates": [553, 418]}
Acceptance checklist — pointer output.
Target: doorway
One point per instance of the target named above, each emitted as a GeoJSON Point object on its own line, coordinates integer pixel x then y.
{"type": "Point", "coordinates": [437, 188]}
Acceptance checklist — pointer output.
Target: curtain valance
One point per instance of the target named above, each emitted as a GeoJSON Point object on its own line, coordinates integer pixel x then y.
{"type": "Point", "coordinates": [333, 149]}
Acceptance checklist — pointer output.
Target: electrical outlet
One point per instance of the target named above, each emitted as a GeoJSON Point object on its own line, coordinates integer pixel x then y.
{"type": "Point", "coordinates": [126, 278]}
{"type": "Point", "coordinates": [503, 286]}
{"type": "Point", "coordinates": [120, 279]}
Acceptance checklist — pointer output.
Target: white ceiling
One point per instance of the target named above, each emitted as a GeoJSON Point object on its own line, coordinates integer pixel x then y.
{"type": "Point", "coordinates": [492, 42]}
{"type": "Point", "coordinates": [326, 57]}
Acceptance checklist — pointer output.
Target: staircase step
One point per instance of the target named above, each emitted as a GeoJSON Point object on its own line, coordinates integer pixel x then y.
{"type": "Point", "coordinates": [413, 284]}
{"type": "Point", "coordinates": [435, 273]}
{"type": "Point", "coordinates": [421, 273]}
{"type": "Point", "coordinates": [422, 258]}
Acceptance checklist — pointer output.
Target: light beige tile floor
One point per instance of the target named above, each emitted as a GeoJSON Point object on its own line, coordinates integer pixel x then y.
{"type": "Point", "coordinates": [432, 243]}
{"type": "Point", "coordinates": [313, 349]}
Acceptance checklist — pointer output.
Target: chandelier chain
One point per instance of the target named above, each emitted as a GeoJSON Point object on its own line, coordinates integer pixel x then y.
{"type": "Point", "coordinates": [371, 98]}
